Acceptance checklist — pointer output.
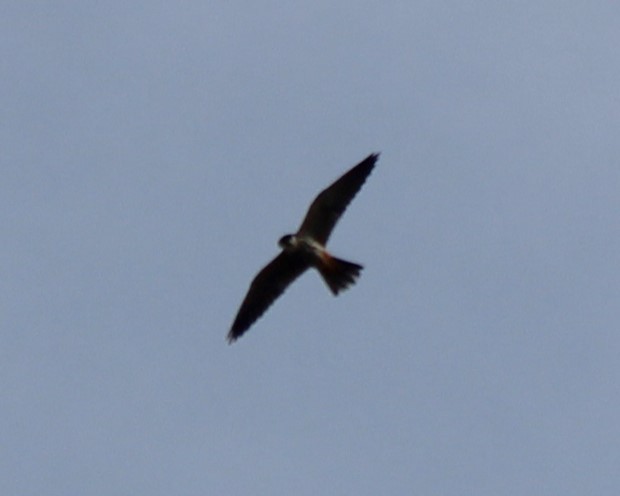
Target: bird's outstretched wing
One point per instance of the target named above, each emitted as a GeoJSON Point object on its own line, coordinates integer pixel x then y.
{"type": "Point", "coordinates": [331, 203]}
{"type": "Point", "coordinates": [268, 284]}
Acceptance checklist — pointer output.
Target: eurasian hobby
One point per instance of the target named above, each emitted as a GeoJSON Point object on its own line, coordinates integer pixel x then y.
{"type": "Point", "coordinates": [306, 249]}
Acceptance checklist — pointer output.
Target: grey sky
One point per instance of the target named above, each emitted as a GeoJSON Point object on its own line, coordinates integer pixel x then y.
{"type": "Point", "coordinates": [154, 152]}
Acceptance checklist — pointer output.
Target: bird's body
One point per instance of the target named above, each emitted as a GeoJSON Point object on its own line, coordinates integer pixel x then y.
{"type": "Point", "coordinates": [306, 249]}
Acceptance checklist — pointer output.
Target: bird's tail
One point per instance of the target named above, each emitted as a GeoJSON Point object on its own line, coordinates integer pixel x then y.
{"type": "Point", "coordinates": [338, 274]}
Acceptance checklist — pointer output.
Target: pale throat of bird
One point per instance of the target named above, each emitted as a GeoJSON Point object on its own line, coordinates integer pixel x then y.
{"type": "Point", "coordinates": [294, 241]}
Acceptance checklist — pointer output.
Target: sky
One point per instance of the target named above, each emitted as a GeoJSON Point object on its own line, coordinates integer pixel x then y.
{"type": "Point", "coordinates": [152, 154]}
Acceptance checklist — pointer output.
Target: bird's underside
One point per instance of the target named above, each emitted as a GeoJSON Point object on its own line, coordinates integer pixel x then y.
{"type": "Point", "coordinates": [306, 249]}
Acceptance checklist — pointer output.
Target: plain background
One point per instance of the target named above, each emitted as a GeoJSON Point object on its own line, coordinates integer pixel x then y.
{"type": "Point", "coordinates": [152, 153]}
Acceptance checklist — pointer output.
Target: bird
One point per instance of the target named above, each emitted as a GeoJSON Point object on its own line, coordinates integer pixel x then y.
{"type": "Point", "coordinates": [306, 249]}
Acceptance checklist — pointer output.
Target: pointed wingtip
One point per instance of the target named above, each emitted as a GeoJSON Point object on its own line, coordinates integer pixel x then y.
{"type": "Point", "coordinates": [232, 336]}
{"type": "Point", "coordinates": [371, 160]}
{"type": "Point", "coordinates": [236, 331]}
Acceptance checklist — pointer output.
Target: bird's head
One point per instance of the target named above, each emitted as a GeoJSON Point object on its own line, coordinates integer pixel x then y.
{"type": "Point", "coordinates": [287, 241]}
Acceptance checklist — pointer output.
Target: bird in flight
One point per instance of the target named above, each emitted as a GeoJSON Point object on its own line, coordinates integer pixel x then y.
{"type": "Point", "coordinates": [306, 249]}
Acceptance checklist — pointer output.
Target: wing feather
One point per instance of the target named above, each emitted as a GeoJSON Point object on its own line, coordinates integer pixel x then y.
{"type": "Point", "coordinates": [268, 284]}
{"type": "Point", "coordinates": [331, 203]}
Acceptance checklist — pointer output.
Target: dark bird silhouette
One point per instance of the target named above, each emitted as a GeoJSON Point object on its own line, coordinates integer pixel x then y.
{"type": "Point", "coordinates": [306, 249]}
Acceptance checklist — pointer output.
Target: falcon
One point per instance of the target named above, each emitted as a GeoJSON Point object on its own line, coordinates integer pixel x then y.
{"type": "Point", "coordinates": [306, 249]}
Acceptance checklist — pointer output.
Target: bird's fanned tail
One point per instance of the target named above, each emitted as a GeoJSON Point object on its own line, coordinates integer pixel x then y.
{"type": "Point", "coordinates": [339, 274]}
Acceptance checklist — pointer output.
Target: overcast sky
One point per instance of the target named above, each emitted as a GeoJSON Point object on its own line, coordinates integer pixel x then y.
{"type": "Point", "coordinates": [152, 153]}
